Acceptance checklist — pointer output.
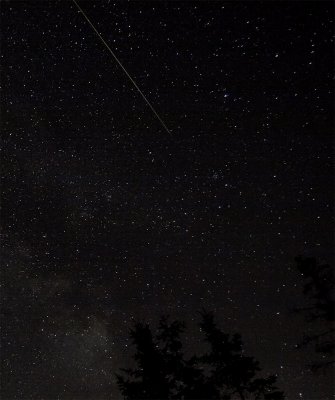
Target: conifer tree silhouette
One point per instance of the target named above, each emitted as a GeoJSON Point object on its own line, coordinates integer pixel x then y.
{"type": "Point", "coordinates": [223, 373]}
{"type": "Point", "coordinates": [233, 373]}
{"type": "Point", "coordinates": [319, 290]}
{"type": "Point", "coordinates": [149, 380]}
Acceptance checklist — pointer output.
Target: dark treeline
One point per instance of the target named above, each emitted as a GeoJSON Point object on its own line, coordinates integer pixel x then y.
{"type": "Point", "coordinates": [162, 370]}
{"type": "Point", "coordinates": [223, 372]}
{"type": "Point", "coordinates": [320, 312]}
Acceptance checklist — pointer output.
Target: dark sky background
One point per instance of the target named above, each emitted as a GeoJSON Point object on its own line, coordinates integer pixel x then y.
{"type": "Point", "coordinates": [107, 219]}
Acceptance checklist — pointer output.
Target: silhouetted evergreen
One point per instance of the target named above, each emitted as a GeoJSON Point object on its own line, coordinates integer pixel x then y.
{"type": "Point", "coordinates": [162, 372]}
{"type": "Point", "coordinates": [233, 373]}
{"type": "Point", "coordinates": [319, 289]}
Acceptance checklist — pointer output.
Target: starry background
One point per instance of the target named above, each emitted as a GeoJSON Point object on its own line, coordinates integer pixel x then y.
{"type": "Point", "coordinates": [108, 219]}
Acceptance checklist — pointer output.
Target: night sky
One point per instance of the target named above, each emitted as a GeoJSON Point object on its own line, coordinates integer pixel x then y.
{"type": "Point", "coordinates": [108, 219]}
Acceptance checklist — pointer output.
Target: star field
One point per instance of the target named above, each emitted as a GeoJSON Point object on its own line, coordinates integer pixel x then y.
{"type": "Point", "coordinates": [107, 219]}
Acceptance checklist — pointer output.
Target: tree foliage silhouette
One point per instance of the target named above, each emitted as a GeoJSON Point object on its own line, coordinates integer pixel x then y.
{"type": "Point", "coordinates": [233, 372]}
{"type": "Point", "coordinates": [163, 372]}
{"type": "Point", "coordinates": [319, 289]}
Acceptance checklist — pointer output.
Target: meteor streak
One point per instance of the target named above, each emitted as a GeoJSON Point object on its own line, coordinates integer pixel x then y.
{"type": "Point", "coordinates": [123, 68]}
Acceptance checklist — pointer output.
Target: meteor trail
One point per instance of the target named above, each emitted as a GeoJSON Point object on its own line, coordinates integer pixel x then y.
{"type": "Point", "coordinates": [123, 68]}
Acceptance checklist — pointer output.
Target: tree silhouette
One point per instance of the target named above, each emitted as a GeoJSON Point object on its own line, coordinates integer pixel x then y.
{"type": "Point", "coordinates": [233, 372]}
{"type": "Point", "coordinates": [150, 380]}
{"type": "Point", "coordinates": [162, 371]}
{"type": "Point", "coordinates": [319, 289]}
